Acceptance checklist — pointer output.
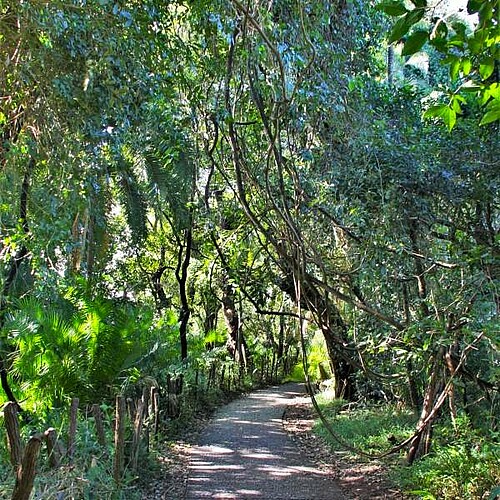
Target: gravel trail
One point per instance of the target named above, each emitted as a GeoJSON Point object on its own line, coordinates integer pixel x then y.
{"type": "Point", "coordinates": [244, 453]}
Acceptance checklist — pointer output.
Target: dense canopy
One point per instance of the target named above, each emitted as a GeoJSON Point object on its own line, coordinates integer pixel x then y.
{"type": "Point", "coordinates": [206, 188]}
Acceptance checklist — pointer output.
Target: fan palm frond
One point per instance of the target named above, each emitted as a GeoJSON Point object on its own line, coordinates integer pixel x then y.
{"type": "Point", "coordinates": [133, 200]}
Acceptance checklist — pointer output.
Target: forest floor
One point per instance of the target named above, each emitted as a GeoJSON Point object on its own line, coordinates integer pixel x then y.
{"type": "Point", "coordinates": [262, 446]}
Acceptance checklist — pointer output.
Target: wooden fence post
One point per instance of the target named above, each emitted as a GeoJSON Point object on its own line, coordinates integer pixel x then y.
{"type": "Point", "coordinates": [25, 476]}
{"type": "Point", "coordinates": [174, 390]}
{"type": "Point", "coordinates": [99, 425]}
{"type": "Point", "coordinates": [136, 438]}
{"type": "Point", "coordinates": [155, 404]}
{"type": "Point", "coordinates": [73, 419]}
{"type": "Point", "coordinates": [13, 435]}
{"type": "Point", "coordinates": [145, 401]}
{"type": "Point", "coordinates": [118, 460]}
{"type": "Point", "coordinates": [52, 450]}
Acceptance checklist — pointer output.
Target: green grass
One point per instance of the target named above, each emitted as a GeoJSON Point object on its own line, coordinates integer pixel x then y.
{"type": "Point", "coordinates": [371, 429]}
{"type": "Point", "coordinates": [296, 375]}
{"type": "Point", "coordinates": [463, 463]}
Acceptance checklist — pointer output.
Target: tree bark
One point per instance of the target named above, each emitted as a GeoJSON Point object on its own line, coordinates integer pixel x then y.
{"type": "Point", "coordinates": [183, 260]}
{"type": "Point", "coordinates": [159, 294]}
{"type": "Point", "coordinates": [419, 268]}
{"type": "Point", "coordinates": [14, 441]}
{"type": "Point", "coordinates": [415, 398]}
{"type": "Point", "coordinates": [158, 291]}
{"type": "Point", "coordinates": [420, 445]}
{"type": "Point", "coordinates": [136, 438]}
{"type": "Point", "coordinates": [155, 405]}
{"type": "Point", "coordinates": [334, 331]}
{"type": "Point", "coordinates": [390, 64]}
{"type": "Point", "coordinates": [174, 390]}
{"type": "Point", "coordinates": [25, 477]}
{"type": "Point", "coordinates": [236, 344]}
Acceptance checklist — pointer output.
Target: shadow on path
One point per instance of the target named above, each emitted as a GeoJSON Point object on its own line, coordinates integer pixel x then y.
{"type": "Point", "coordinates": [244, 453]}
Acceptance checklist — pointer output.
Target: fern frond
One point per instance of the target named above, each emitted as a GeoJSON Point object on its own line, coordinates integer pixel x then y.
{"type": "Point", "coordinates": [133, 200]}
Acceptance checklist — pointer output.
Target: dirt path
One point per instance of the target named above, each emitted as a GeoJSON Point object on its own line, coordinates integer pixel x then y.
{"type": "Point", "coordinates": [244, 453]}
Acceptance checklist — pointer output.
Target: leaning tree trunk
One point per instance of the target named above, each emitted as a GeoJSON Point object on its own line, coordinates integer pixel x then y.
{"type": "Point", "coordinates": [335, 335]}
{"type": "Point", "coordinates": [334, 330]}
{"type": "Point", "coordinates": [421, 443]}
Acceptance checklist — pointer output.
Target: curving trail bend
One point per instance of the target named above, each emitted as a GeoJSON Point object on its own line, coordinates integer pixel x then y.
{"type": "Point", "coordinates": [244, 453]}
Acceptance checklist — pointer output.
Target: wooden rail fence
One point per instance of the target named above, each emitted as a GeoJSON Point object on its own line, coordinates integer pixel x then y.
{"type": "Point", "coordinates": [136, 417]}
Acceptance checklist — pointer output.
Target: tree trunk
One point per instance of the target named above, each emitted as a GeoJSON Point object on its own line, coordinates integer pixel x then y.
{"type": "Point", "coordinates": [136, 438]}
{"type": "Point", "coordinates": [174, 390]}
{"type": "Point", "coordinates": [183, 260]}
{"type": "Point", "coordinates": [342, 370]}
{"type": "Point", "coordinates": [334, 329]}
{"type": "Point", "coordinates": [155, 406]}
{"type": "Point", "coordinates": [236, 344]}
{"type": "Point", "coordinates": [420, 445]}
{"type": "Point", "coordinates": [415, 398]}
{"type": "Point", "coordinates": [52, 448]}
{"type": "Point", "coordinates": [390, 64]}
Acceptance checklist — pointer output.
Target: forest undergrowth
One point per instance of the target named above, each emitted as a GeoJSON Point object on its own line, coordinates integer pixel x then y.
{"type": "Point", "coordinates": [194, 193]}
{"type": "Point", "coordinates": [463, 463]}
{"type": "Point", "coordinates": [89, 474]}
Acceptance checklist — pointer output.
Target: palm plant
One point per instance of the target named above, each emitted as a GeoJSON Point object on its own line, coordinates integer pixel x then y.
{"type": "Point", "coordinates": [79, 349]}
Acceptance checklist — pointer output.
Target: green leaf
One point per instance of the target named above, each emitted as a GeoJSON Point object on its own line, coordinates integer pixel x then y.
{"type": "Point", "coordinates": [494, 90]}
{"type": "Point", "coordinates": [466, 66]}
{"type": "Point", "coordinates": [415, 42]}
{"type": "Point", "coordinates": [455, 103]}
{"type": "Point", "coordinates": [493, 104]}
{"type": "Point", "coordinates": [440, 44]}
{"type": "Point", "coordinates": [493, 113]}
{"type": "Point", "coordinates": [475, 43]}
{"type": "Point", "coordinates": [473, 6]}
{"type": "Point", "coordinates": [486, 67]}
{"type": "Point", "coordinates": [440, 30]}
{"type": "Point", "coordinates": [485, 13]}
{"type": "Point", "coordinates": [392, 7]}
{"type": "Point", "coordinates": [491, 91]}
{"type": "Point", "coordinates": [435, 111]}
{"type": "Point", "coordinates": [454, 63]}
{"type": "Point", "coordinates": [419, 3]}
{"type": "Point", "coordinates": [399, 29]}
{"type": "Point", "coordinates": [460, 30]}
{"type": "Point", "coordinates": [444, 113]}
{"type": "Point", "coordinates": [403, 25]}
